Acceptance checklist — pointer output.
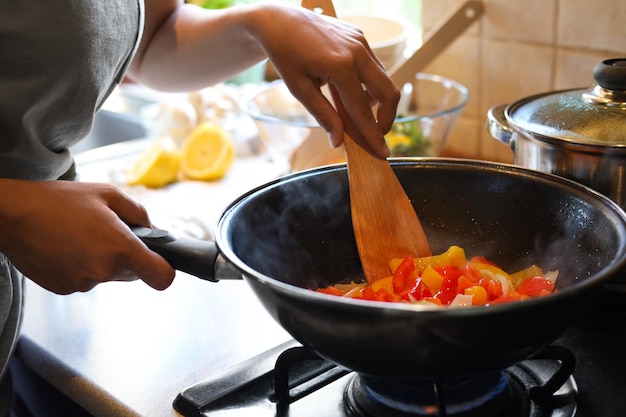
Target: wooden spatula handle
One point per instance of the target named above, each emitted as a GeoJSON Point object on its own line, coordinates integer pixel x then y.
{"type": "Point", "coordinates": [324, 7]}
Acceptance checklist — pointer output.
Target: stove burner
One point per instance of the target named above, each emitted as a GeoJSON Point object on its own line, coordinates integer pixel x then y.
{"type": "Point", "coordinates": [518, 391]}
{"type": "Point", "coordinates": [483, 394]}
{"type": "Point", "coordinates": [304, 385]}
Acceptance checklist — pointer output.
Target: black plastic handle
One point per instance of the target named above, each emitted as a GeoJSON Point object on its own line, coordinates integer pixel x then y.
{"type": "Point", "coordinates": [193, 256]}
{"type": "Point", "coordinates": [611, 74]}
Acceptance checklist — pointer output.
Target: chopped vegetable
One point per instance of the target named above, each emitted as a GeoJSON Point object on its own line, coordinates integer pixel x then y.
{"type": "Point", "coordinates": [406, 139]}
{"type": "Point", "coordinates": [449, 279]}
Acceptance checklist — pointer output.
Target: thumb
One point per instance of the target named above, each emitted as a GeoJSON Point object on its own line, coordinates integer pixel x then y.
{"type": "Point", "coordinates": [142, 262]}
{"type": "Point", "coordinates": [149, 266]}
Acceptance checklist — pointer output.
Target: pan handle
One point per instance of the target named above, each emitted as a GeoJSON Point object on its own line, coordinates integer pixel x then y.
{"type": "Point", "coordinates": [194, 256]}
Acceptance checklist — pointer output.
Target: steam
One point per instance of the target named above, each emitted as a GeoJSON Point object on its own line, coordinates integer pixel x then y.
{"type": "Point", "coordinates": [298, 232]}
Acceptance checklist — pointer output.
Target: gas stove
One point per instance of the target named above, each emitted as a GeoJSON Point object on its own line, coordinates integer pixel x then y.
{"type": "Point", "coordinates": [582, 374]}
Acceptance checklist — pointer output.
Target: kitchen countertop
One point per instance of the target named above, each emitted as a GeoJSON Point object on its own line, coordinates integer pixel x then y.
{"type": "Point", "coordinates": [124, 349]}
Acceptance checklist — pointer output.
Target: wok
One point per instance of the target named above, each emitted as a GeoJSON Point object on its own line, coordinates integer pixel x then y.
{"type": "Point", "coordinates": [295, 233]}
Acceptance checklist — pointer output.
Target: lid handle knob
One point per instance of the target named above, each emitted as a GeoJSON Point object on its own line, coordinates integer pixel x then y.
{"type": "Point", "coordinates": [611, 74]}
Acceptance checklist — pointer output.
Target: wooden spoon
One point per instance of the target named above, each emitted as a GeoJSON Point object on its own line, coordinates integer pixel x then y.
{"type": "Point", "coordinates": [384, 220]}
{"type": "Point", "coordinates": [436, 41]}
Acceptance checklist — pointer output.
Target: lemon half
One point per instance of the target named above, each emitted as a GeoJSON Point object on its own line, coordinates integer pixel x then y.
{"type": "Point", "coordinates": [158, 165]}
{"type": "Point", "coordinates": [208, 152]}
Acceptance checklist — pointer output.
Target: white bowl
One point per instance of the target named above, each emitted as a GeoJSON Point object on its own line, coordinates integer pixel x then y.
{"type": "Point", "coordinates": [387, 37]}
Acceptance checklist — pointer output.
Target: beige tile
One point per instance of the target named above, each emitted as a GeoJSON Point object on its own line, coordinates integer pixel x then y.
{"type": "Point", "coordinates": [512, 71]}
{"type": "Point", "coordinates": [461, 62]}
{"type": "Point", "coordinates": [574, 68]}
{"type": "Point", "coordinates": [597, 24]}
{"type": "Point", "coordinates": [494, 150]}
{"type": "Point", "coordinates": [436, 11]}
{"type": "Point", "coordinates": [520, 20]}
{"type": "Point", "coordinates": [464, 140]}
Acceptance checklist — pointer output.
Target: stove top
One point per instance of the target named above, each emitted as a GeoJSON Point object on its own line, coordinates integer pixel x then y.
{"type": "Point", "coordinates": [291, 381]}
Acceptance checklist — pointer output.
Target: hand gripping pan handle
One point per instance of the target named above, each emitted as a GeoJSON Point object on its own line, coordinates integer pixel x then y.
{"type": "Point", "coordinates": [197, 257]}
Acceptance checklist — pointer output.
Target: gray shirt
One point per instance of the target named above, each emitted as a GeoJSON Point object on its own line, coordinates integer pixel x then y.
{"type": "Point", "coordinates": [59, 60]}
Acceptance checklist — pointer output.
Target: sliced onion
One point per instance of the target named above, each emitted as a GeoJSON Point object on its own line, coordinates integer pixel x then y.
{"type": "Point", "coordinates": [551, 276]}
{"type": "Point", "coordinates": [462, 300]}
{"type": "Point", "coordinates": [354, 292]}
{"type": "Point", "coordinates": [488, 274]}
{"type": "Point", "coordinates": [507, 286]}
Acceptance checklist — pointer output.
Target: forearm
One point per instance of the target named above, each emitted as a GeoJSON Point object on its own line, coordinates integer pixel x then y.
{"type": "Point", "coordinates": [8, 190]}
{"type": "Point", "coordinates": [195, 47]}
{"type": "Point", "coordinates": [186, 48]}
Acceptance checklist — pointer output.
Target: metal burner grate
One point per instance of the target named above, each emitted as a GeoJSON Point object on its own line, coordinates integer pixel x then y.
{"type": "Point", "coordinates": [540, 386]}
{"type": "Point", "coordinates": [293, 381]}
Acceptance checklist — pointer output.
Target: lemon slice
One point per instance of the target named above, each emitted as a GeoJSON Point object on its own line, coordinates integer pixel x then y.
{"type": "Point", "coordinates": [208, 152]}
{"type": "Point", "coordinates": [156, 166]}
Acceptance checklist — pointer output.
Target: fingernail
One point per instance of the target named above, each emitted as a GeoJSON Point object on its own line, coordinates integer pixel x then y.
{"type": "Point", "coordinates": [332, 141]}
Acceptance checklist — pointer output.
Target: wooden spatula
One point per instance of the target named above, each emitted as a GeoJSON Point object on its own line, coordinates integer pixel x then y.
{"type": "Point", "coordinates": [384, 220]}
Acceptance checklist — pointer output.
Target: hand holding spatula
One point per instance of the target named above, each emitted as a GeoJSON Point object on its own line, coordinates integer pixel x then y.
{"type": "Point", "coordinates": [384, 220]}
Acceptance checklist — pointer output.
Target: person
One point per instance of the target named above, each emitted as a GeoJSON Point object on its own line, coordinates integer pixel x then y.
{"type": "Point", "coordinates": [60, 61]}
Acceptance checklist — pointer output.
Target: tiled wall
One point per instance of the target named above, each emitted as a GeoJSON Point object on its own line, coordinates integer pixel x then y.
{"type": "Point", "coordinates": [520, 48]}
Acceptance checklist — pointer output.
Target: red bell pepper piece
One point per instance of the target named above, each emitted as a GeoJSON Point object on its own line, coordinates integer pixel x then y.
{"type": "Point", "coordinates": [513, 296]}
{"type": "Point", "coordinates": [420, 290]}
{"type": "Point", "coordinates": [451, 275]}
{"type": "Point", "coordinates": [404, 275]}
{"type": "Point", "coordinates": [384, 295]}
{"type": "Point", "coordinates": [463, 283]}
{"type": "Point", "coordinates": [494, 288]}
{"type": "Point", "coordinates": [535, 287]}
{"type": "Point", "coordinates": [471, 272]}
{"type": "Point", "coordinates": [330, 290]}
{"type": "Point", "coordinates": [368, 293]}
{"type": "Point", "coordinates": [482, 260]}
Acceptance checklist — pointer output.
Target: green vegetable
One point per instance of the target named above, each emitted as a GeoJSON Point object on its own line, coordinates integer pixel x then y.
{"type": "Point", "coordinates": [407, 139]}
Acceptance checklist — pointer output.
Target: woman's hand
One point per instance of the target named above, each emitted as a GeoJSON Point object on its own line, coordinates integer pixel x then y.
{"type": "Point", "coordinates": [309, 51]}
{"type": "Point", "coordinates": [71, 236]}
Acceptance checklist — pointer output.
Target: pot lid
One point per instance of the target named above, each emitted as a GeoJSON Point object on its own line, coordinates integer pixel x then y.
{"type": "Point", "coordinates": [595, 116]}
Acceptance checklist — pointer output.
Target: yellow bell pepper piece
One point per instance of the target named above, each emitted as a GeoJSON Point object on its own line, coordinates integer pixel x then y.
{"type": "Point", "coordinates": [491, 268]}
{"type": "Point", "coordinates": [479, 295]}
{"type": "Point", "coordinates": [454, 256]}
{"type": "Point", "coordinates": [386, 283]}
{"type": "Point", "coordinates": [531, 271]}
{"type": "Point", "coordinates": [432, 279]}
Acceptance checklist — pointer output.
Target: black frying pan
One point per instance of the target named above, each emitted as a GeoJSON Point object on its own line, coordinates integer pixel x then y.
{"type": "Point", "coordinates": [295, 233]}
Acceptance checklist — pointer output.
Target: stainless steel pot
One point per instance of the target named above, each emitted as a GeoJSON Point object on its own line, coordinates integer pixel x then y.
{"type": "Point", "coordinates": [577, 134]}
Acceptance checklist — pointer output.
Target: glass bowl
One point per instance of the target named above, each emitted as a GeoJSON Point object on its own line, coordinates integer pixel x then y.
{"type": "Point", "coordinates": [428, 111]}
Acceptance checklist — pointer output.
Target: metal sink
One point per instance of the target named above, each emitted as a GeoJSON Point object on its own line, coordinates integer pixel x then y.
{"type": "Point", "coordinates": [118, 121]}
